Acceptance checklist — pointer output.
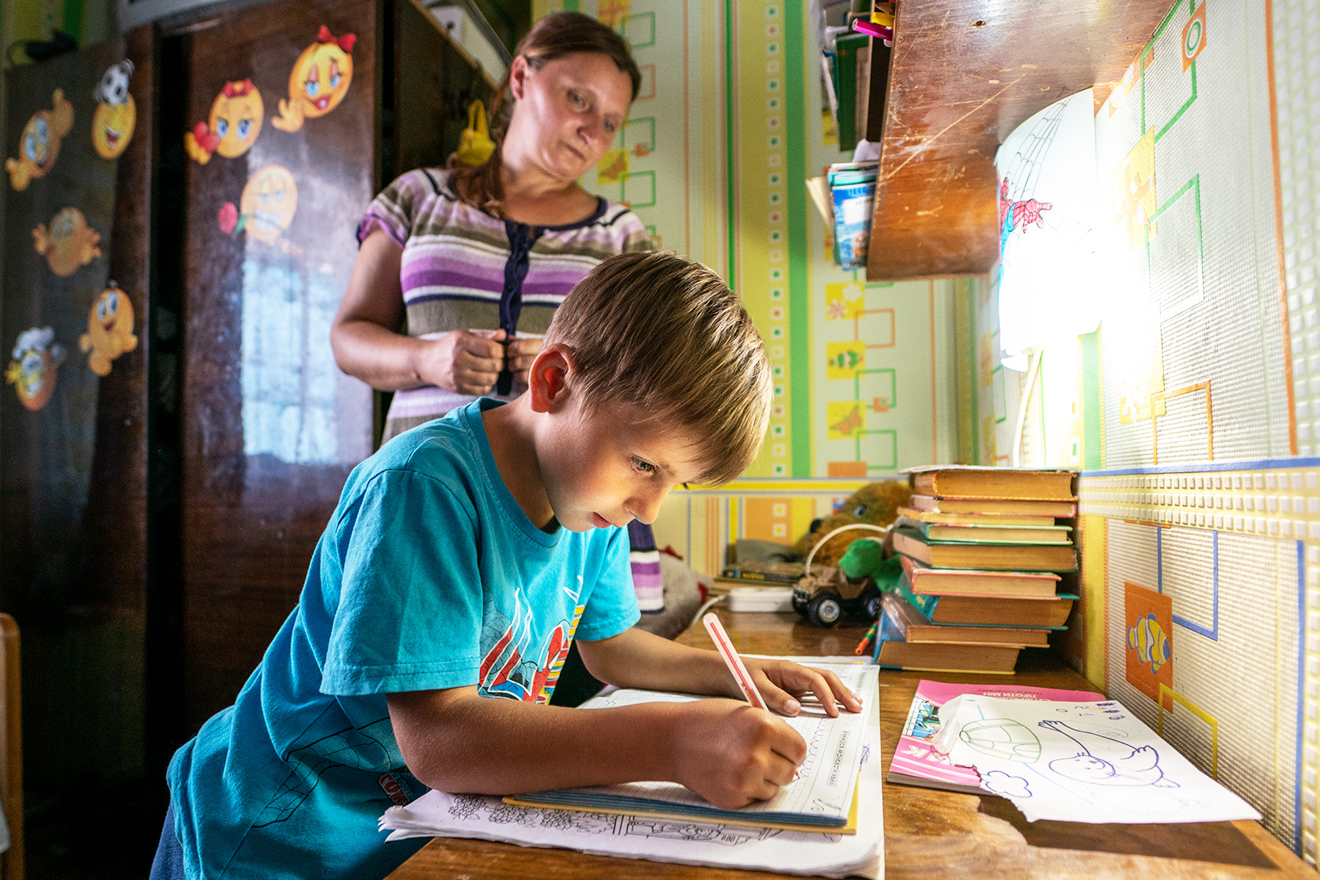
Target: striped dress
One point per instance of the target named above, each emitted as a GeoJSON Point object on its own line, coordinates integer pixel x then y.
{"type": "Point", "coordinates": [464, 269]}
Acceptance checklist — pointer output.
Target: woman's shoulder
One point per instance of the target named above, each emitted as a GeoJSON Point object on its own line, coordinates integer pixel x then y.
{"type": "Point", "coordinates": [423, 182]}
{"type": "Point", "coordinates": [622, 225]}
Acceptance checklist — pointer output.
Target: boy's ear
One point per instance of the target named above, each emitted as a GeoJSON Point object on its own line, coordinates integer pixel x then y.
{"type": "Point", "coordinates": [548, 378]}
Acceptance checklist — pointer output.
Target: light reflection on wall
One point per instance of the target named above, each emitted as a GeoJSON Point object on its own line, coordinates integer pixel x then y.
{"type": "Point", "coordinates": [288, 370]}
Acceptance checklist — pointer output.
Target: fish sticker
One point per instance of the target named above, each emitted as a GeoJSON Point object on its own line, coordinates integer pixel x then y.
{"type": "Point", "coordinates": [319, 80]}
{"type": "Point", "coordinates": [69, 244]}
{"type": "Point", "coordinates": [39, 145]}
{"type": "Point", "coordinates": [116, 113]}
{"type": "Point", "coordinates": [1147, 638]}
{"type": "Point", "coordinates": [36, 359]}
{"type": "Point", "coordinates": [233, 125]}
{"type": "Point", "coordinates": [109, 329]}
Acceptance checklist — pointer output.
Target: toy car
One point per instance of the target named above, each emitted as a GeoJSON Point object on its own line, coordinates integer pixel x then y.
{"type": "Point", "coordinates": [824, 596]}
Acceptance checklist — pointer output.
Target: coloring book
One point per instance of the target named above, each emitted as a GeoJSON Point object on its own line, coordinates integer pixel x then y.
{"type": "Point", "coordinates": [916, 763]}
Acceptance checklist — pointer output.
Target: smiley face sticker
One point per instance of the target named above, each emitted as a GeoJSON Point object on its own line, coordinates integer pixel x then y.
{"type": "Point", "coordinates": [109, 329]}
{"type": "Point", "coordinates": [36, 359]}
{"type": "Point", "coordinates": [320, 79]}
{"type": "Point", "coordinates": [69, 244]}
{"type": "Point", "coordinates": [116, 114]}
{"type": "Point", "coordinates": [39, 145]}
{"type": "Point", "coordinates": [267, 206]}
{"type": "Point", "coordinates": [232, 127]}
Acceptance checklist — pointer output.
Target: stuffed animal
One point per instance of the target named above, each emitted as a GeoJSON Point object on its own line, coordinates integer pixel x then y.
{"type": "Point", "coordinates": [875, 503]}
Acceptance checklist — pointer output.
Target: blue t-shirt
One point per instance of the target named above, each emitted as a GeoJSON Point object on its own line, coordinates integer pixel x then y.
{"type": "Point", "coordinates": [429, 575]}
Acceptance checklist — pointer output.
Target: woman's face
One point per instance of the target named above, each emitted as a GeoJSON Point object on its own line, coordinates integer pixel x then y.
{"type": "Point", "coordinates": [566, 114]}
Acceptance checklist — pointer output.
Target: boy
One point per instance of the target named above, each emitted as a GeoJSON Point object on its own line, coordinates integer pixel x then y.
{"type": "Point", "coordinates": [461, 561]}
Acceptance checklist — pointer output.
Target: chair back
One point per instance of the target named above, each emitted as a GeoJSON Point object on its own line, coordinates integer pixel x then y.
{"type": "Point", "coordinates": [11, 749]}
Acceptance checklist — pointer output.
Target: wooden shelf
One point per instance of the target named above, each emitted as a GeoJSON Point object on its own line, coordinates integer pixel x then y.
{"type": "Point", "coordinates": [964, 74]}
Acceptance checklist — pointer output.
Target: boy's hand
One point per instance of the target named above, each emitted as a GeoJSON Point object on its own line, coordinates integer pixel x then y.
{"type": "Point", "coordinates": [733, 754]}
{"type": "Point", "coordinates": [781, 682]}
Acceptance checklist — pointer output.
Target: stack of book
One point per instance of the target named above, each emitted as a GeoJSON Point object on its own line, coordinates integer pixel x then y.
{"type": "Point", "coordinates": [982, 552]}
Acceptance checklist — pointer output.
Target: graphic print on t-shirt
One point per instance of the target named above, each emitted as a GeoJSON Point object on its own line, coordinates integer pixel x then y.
{"type": "Point", "coordinates": [518, 666]}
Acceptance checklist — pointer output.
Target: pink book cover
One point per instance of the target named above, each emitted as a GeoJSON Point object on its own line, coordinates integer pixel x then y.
{"type": "Point", "coordinates": [916, 763]}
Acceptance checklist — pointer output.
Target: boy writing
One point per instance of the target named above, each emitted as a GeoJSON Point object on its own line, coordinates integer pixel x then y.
{"type": "Point", "coordinates": [461, 561]}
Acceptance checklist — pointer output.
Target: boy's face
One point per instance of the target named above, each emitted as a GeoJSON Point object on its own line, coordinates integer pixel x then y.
{"type": "Point", "coordinates": [610, 467]}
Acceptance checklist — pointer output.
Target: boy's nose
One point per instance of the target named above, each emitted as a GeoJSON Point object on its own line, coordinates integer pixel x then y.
{"type": "Point", "coordinates": [645, 506]}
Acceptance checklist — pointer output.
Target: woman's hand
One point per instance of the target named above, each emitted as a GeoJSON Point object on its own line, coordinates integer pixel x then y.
{"type": "Point", "coordinates": [522, 351]}
{"type": "Point", "coordinates": [463, 362]}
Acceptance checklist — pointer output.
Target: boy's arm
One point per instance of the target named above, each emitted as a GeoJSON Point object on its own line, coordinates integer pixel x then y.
{"type": "Point", "coordinates": [729, 753]}
{"type": "Point", "coordinates": [639, 659]}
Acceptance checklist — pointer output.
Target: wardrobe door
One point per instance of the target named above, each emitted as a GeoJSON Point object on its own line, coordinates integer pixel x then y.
{"type": "Point", "coordinates": [73, 459]}
{"type": "Point", "coordinates": [279, 128]}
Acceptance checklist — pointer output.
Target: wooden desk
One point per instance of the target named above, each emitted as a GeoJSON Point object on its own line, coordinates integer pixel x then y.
{"type": "Point", "coordinates": [928, 833]}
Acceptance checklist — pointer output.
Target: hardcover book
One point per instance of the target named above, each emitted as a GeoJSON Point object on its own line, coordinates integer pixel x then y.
{"type": "Point", "coordinates": [968, 481]}
{"type": "Point", "coordinates": [916, 628]}
{"type": "Point", "coordinates": [988, 519]}
{"type": "Point", "coordinates": [924, 580]}
{"type": "Point", "coordinates": [974, 533]}
{"type": "Point", "coordinates": [894, 652]}
{"type": "Point", "coordinates": [1050, 611]}
{"type": "Point", "coordinates": [1006, 506]}
{"type": "Point", "coordinates": [994, 557]}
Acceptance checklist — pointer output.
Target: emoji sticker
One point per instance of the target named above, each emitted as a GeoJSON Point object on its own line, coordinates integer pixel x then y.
{"type": "Point", "coordinates": [39, 146]}
{"type": "Point", "coordinates": [116, 114]}
{"type": "Point", "coordinates": [69, 245]}
{"type": "Point", "coordinates": [267, 206]}
{"type": "Point", "coordinates": [32, 370]}
{"type": "Point", "coordinates": [233, 126]}
{"type": "Point", "coordinates": [109, 329]}
{"type": "Point", "coordinates": [319, 80]}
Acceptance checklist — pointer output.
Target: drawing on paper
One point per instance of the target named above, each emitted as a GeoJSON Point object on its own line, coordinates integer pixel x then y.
{"type": "Point", "coordinates": [1104, 760]}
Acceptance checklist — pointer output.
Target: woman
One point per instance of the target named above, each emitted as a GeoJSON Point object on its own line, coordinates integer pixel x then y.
{"type": "Point", "coordinates": [477, 259]}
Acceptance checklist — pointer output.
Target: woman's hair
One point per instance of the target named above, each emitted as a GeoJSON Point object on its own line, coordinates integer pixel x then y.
{"type": "Point", "coordinates": [665, 335]}
{"type": "Point", "coordinates": [556, 35]}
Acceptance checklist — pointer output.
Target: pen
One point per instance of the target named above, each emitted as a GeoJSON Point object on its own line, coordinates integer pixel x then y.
{"type": "Point", "coordinates": [731, 659]}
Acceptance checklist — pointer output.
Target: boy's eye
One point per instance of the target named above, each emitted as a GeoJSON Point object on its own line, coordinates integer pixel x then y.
{"type": "Point", "coordinates": [644, 467]}
{"type": "Point", "coordinates": [609, 126]}
{"type": "Point", "coordinates": [575, 98]}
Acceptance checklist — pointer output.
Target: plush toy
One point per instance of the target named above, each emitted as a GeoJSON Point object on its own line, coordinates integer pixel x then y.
{"type": "Point", "coordinates": [875, 503]}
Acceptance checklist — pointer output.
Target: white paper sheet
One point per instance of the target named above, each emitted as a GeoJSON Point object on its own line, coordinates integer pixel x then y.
{"type": "Point", "coordinates": [1080, 762]}
{"type": "Point", "coordinates": [437, 814]}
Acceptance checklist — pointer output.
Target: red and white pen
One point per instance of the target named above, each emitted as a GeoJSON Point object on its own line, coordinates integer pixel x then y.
{"type": "Point", "coordinates": [731, 659]}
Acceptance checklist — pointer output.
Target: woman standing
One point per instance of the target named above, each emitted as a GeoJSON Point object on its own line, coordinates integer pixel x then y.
{"type": "Point", "coordinates": [474, 260]}
{"type": "Point", "coordinates": [477, 259]}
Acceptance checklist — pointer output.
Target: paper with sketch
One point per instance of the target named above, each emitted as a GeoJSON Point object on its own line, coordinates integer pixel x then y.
{"type": "Point", "coordinates": [437, 814]}
{"type": "Point", "coordinates": [1080, 762]}
{"type": "Point", "coordinates": [821, 796]}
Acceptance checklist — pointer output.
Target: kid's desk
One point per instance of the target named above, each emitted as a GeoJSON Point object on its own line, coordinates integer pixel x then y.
{"type": "Point", "coordinates": [928, 833]}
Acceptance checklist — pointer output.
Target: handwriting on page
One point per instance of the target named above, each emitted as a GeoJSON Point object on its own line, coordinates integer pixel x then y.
{"type": "Point", "coordinates": [827, 777]}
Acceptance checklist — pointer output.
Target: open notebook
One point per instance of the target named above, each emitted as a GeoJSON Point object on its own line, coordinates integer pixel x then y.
{"type": "Point", "coordinates": [823, 798]}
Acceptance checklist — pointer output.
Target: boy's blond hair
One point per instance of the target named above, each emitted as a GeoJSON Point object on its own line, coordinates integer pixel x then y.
{"type": "Point", "coordinates": [664, 334]}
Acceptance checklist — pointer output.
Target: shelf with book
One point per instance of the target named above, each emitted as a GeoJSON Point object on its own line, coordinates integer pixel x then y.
{"type": "Point", "coordinates": [948, 102]}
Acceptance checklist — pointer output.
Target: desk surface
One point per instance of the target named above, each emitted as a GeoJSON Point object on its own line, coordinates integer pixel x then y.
{"type": "Point", "coordinates": [928, 833]}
